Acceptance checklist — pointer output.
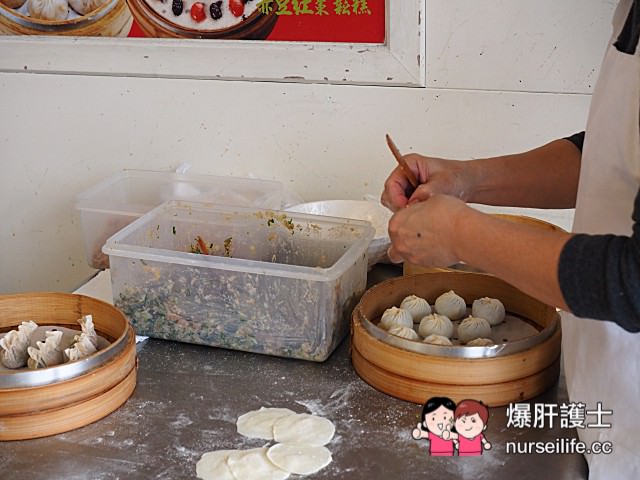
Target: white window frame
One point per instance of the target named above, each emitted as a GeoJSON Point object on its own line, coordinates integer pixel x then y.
{"type": "Point", "coordinates": [399, 61]}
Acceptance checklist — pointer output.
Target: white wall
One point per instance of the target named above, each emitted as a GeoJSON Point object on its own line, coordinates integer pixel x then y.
{"type": "Point", "coordinates": [502, 76]}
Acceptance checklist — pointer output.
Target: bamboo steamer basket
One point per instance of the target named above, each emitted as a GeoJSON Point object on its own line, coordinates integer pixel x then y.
{"type": "Point", "coordinates": [48, 401]}
{"type": "Point", "coordinates": [510, 372]}
{"type": "Point", "coordinates": [112, 19]}
{"type": "Point", "coordinates": [256, 26]}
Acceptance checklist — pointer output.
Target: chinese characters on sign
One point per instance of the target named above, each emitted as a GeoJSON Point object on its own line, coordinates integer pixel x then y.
{"type": "Point", "coordinates": [566, 416]}
{"type": "Point", "coordinates": [544, 415]}
{"type": "Point", "coordinates": [316, 7]}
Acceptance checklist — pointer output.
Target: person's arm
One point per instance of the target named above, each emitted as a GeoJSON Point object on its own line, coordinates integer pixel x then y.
{"type": "Point", "coordinates": [524, 256]}
{"type": "Point", "coordinates": [545, 177]}
{"type": "Point", "coordinates": [443, 230]}
{"type": "Point", "coordinates": [594, 276]}
{"type": "Point", "coordinates": [599, 275]}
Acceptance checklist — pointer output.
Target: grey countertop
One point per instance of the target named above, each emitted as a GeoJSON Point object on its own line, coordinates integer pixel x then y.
{"type": "Point", "coordinates": [188, 398]}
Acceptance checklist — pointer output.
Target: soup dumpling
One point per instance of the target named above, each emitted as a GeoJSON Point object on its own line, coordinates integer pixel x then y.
{"type": "Point", "coordinates": [491, 309]}
{"type": "Point", "coordinates": [48, 9]}
{"type": "Point", "coordinates": [418, 307]}
{"type": "Point", "coordinates": [86, 6]}
{"type": "Point", "coordinates": [404, 332]}
{"type": "Point", "coordinates": [437, 340]}
{"type": "Point", "coordinates": [435, 324]}
{"type": "Point", "coordinates": [451, 305]}
{"type": "Point", "coordinates": [473, 327]}
{"type": "Point", "coordinates": [480, 342]}
{"type": "Point", "coordinates": [395, 316]}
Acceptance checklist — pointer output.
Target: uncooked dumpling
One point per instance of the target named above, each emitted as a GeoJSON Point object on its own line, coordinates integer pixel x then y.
{"type": "Point", "coordinates": [47, 353]}
{"type": "Point", "coordinates": [13, 346]}
{"type": "Point", "coordinates": [480, 342]}
{"type": "Point", "coordinates": [86, 6]}
{"type": "Point", "coordinates": [473, 327]}
{"type": "Point", "coordinates": [451, 305]}
{"type": "Point", "coordinates": [83, 347]}
{"type": "Point", "coordinates": [416, 306]}
{"type": "Point", "coordinates": [435, 324]}
{"type": "Point", "coordinates": [491, 309]}
{"type": "Point", "coordinates": [395, 316]}
{"type": "Point", "coordinates": [437, 340]}
{"type": "Point", "coordinates": [404, 332]}
{"type": "Point", "coordinates": [48, 9]}
{"type": "Point", "coordinates": [84, 344]}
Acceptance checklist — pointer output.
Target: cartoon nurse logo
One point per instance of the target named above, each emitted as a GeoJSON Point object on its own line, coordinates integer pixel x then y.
{"type": "Point", "coordinates": [449, 427]}
{"type": "Point", "coordinates": [436, 424]}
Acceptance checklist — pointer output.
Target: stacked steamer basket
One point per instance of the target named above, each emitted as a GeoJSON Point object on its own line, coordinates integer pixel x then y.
{"type": "Point", "coordinates": [37, 403]}
{"type": "Point", "coordinates": [518, 368]}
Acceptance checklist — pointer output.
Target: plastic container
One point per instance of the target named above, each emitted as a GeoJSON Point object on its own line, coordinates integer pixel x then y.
{"type": "Point", "coordinates": [274, 282]}
{"type": "Point", "coordinates": [115, 202]}
{"type": "Point", "coordinates": [372, 212]}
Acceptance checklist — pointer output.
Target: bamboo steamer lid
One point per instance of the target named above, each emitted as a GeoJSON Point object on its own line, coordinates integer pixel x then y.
{"type": "Point", "coordinates": [409, 370]}
{"type": "Point", "coordinates": [48, 401]}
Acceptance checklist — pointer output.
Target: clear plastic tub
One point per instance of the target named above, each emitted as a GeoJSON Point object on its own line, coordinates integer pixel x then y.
{"type": "Point", "coordinates": [115, 202]}
{"type": "Point", "coordinates": [274, 282]}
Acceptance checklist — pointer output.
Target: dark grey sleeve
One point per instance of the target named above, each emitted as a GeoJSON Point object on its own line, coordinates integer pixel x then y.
{"type": "Point", "coordinates": [599, 275]}
{"type": "Point", "coordinates": [577, 139]}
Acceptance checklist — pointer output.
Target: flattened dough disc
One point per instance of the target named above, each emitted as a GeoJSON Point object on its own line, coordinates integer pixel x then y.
{"type": "Point", "coordinates": [303, 429]}
{"type": "Point", "coordinates": [213, 466]}
{"type": "Point", "coordinates": [259, 423]}
{"type": "Point", "coordinates": [253, 464]}
{"type": "Point", "coordinates": [300, 459]}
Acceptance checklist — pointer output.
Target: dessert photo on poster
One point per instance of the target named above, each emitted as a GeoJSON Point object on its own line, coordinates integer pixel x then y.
{"type": "Point", "coordinates": [337, 21]}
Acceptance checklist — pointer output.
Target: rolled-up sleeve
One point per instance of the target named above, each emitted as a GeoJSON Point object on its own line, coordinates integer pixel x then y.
{"type": "Point", "coordinates": [599, 275]}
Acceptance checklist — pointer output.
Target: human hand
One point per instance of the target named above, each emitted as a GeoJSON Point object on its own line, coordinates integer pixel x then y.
{"type": "Point", "coordinates": [487, 446]}
{"type": "Point", "coordinates": [424, 233]}
{"type": "Point", "coordinates": [416, 433]}
{"type": "Point", "coordinates": [436, 176]}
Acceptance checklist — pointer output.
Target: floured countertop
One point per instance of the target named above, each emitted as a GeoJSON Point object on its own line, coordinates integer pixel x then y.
{"type": "Point", "coordinates": [189, 397]}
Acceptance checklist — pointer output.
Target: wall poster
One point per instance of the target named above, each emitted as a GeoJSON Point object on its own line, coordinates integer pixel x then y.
{"type": "Point", "coordinates": [335, 21]}
{"type": "Point", "coordinates": [361, 42]}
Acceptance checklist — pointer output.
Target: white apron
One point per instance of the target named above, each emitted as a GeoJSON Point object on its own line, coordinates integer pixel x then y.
{"type": "Point", "coordinates": [601, 360]}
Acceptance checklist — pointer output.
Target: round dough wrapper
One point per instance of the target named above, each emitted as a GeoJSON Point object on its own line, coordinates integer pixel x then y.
{"type": "Point", "coordinates": [303, 429]}
{"type": "Point", "coordinates": [259, 423]}
{"type": "Point", "coordinates": [299, 459]}
{"type": "Point", "coordinates": [254, 464]}
{"type": "Point", "coordinates": [213, 466]}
